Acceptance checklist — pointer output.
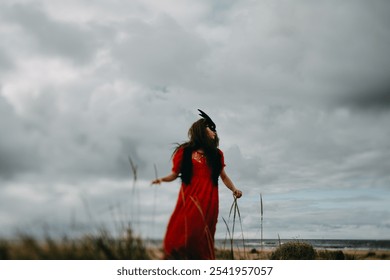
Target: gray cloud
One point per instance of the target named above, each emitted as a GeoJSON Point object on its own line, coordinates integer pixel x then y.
{"type": "Point", "coordinates": [5, 62]}
{"type": "Point", "coordinates": [374, 100]}
{"type": "Point", "coordinates": [160, 53]}
{"type": "Point", "coordinates": [17, 152]}
{"type": "Point", "coordinates": [51, 36]}
{"type": "Point", "coordinates": [243, 169]}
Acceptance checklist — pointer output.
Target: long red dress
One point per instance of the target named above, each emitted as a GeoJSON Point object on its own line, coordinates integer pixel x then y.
{"type": "Point", "coordinates": [191, 228]}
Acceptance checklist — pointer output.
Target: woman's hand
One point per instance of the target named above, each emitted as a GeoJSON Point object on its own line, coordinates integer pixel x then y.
{"type": "Point", "coordinates": [168, 178]}
{"type": "Point", "coordinates": [237, 193]}
{"type": "Point", "coordinates": [156, 182]}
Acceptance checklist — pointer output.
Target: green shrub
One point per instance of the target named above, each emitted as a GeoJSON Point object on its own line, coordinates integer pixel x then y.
{"type": "Point", "coordinates": [294, 251]}
{"type": "Point", "coordinates": [370, 254]}
{"type": "Point", "coordinates": [4, 250]}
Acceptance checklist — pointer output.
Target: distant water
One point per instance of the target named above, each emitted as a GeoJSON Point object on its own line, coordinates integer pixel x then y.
{"type": "Point", "coordinates": [329, 244]}
{"type": "Point", "coordinates": [321, 244]}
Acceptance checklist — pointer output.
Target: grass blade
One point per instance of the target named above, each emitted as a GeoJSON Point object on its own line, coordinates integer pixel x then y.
{"type": "Point", "coordinates": [236, 212]}
{"type": "Point", "coordinates": [231, 239]}
{"type": "Point", "coordinates": [261, 219]}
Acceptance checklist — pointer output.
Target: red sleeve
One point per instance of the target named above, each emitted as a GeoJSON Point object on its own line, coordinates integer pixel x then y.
{"type": "Point", "coordinates": [176, 161]}
{"type": "Point", "coordinates": [222, 158]}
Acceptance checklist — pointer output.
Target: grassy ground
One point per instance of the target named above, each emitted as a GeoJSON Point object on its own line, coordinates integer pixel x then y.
{"type": "Point", "coordinates": [104, 247]}
{"type": "Point", "coordinates": [303, 251]}
{"type": "Point", "coordinates": [320, 255]}
{"type": "Point", "coordinates": [98, 247]}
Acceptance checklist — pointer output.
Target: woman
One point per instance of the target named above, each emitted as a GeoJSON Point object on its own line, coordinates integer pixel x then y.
{"type": "Point", "coordinates": [199, 163]}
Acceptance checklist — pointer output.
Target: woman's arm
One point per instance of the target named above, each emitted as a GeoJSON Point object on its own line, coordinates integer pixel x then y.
{"type": "Point", "coordinates": [169, 178]}
{"type": "Point", "coordinates": [229, 184]}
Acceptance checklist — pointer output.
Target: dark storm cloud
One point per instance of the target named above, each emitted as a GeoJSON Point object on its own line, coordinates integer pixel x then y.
{"type": "Point", "coordinates": [51, 36]}
{"type": "Point", "coordinates": [65, 146]}
{"type": "Point", "coordinates": [375, 99]}
{"type": "Point", "coordinates": [76, 145]}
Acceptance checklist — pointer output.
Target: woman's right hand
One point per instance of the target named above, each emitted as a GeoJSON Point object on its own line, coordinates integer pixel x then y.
{"type": "Point", "coordinates": [156, 181]}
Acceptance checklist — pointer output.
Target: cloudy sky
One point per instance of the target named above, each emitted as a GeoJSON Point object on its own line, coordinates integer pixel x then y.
{"type": "Point", "coordinates": [299, 91]}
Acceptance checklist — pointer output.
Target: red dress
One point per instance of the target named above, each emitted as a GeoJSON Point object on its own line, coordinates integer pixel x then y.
{"type": "Point", "coordinates": [191, 228]}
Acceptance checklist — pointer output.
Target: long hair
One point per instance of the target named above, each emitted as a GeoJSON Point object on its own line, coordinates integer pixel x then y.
{"type": "Point", "coordinates": [199, 139]}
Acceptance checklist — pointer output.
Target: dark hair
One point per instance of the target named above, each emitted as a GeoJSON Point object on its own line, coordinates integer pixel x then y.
{"type": "Point", "coordinates": [199, 139]}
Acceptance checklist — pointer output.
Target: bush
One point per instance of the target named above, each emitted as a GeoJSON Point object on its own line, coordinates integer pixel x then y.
{"type": "Point", "coordinates": [294, 251]}
{"type": "Point", "coordinates": [4, 250]}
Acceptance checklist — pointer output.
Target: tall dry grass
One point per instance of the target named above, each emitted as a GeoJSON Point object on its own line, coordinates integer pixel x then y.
{"type": "Point", "coordinates": [261, 221]}
{"type": "Point", "coordinates": [96, 246]}
{"type": "Point", "coordinates": [102, 246]}
{"type": "Point", "coordinates": [235, 210]}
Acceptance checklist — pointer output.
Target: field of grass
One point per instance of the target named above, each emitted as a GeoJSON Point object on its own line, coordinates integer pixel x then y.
{"type": "Point", "coordinates": [129, 247]}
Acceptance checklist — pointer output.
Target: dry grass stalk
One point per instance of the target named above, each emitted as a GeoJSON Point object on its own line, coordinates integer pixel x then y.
{"type": "Point", "coordinates": [135, 196]}
{"type": "Point", "coordinates": [206, 227]}
{"type": "Point", "coordinates": [236, 212]}
{"type": "Point", "coordinates": [261, 220]}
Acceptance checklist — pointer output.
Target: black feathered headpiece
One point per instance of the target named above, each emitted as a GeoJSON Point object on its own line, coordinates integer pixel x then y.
{"type": "Point", "coordinates": [209, 122]}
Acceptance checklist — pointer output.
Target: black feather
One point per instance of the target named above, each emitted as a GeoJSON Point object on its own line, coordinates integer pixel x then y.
{"type": "Point", "coordinates": [209, 122]}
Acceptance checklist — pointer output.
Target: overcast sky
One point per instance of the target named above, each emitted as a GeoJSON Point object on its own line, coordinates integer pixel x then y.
{"type": "Point", "coordinates": [299, 91]}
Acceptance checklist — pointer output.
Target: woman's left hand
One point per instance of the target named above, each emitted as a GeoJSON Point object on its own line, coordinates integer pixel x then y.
{"type": "Point", "coordinates": [237, 193]}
